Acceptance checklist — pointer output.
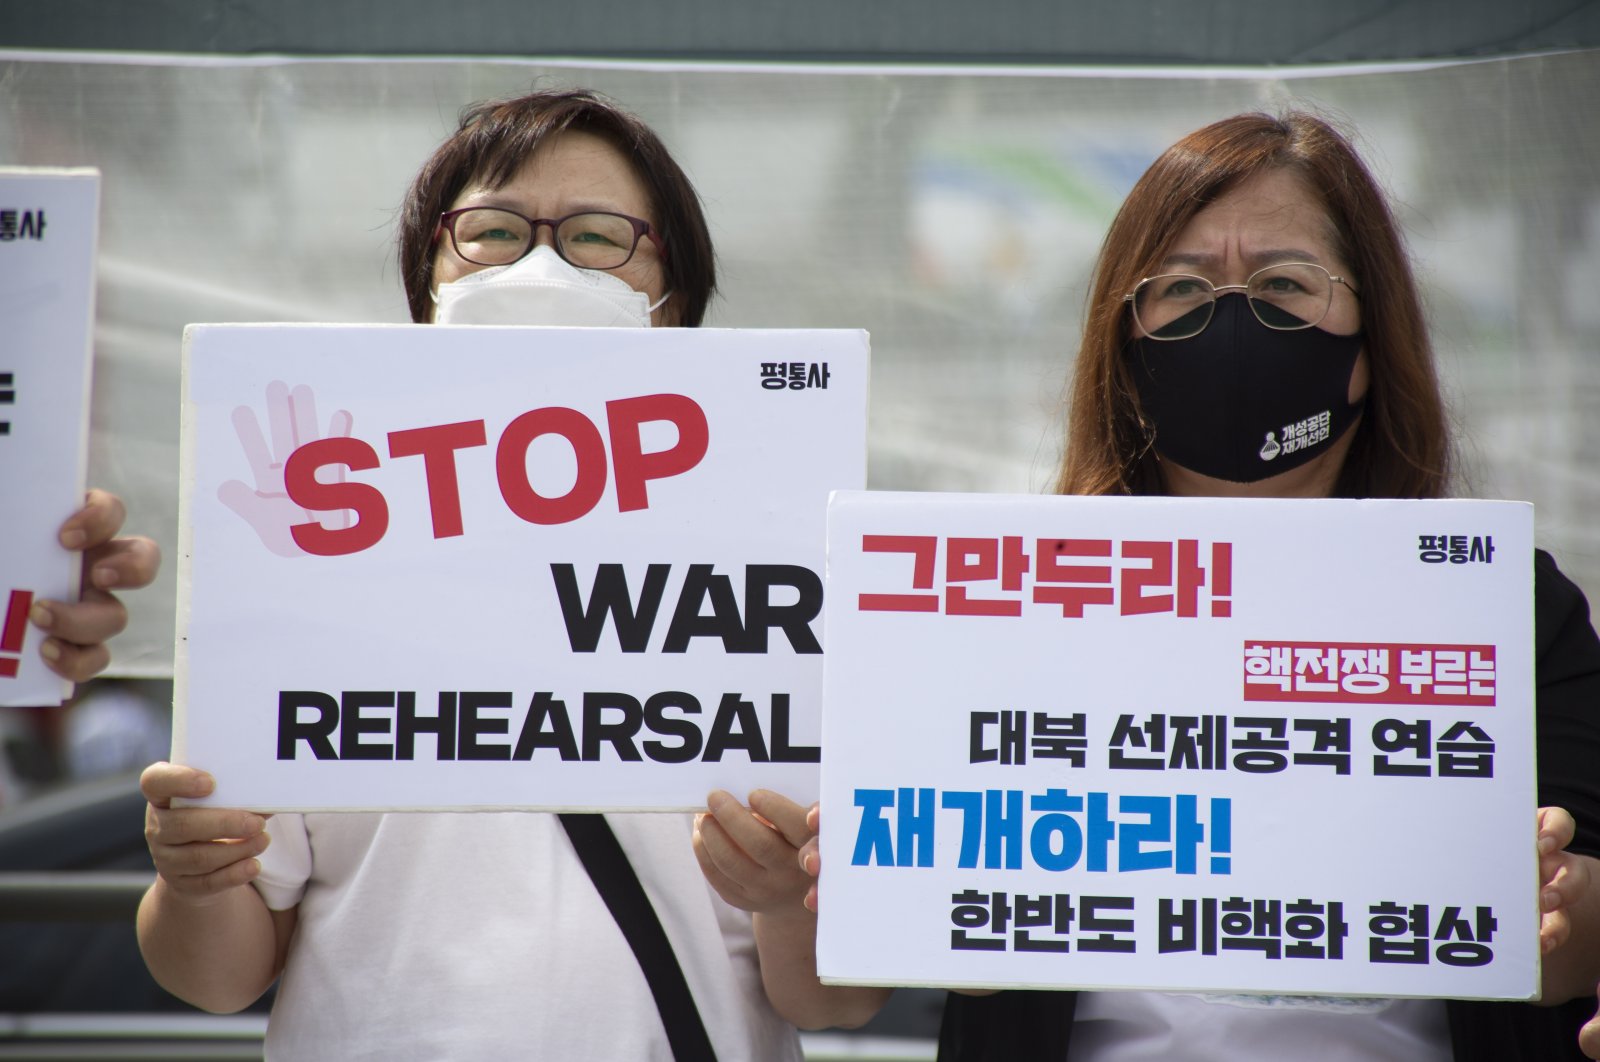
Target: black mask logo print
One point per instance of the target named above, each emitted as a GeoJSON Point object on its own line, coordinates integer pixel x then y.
{"type": "Point", "coordinates": [1241, 401]}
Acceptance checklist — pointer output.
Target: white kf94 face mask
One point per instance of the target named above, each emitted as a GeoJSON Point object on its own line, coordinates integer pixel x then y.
{"type": "Point", "coordinates": [542, 289]}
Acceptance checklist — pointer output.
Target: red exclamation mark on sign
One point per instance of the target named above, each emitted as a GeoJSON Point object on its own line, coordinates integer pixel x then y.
{"type": "Point", "coordinates": [16, 627]}
{"type": "Point", "coordinates": [1222, 578]}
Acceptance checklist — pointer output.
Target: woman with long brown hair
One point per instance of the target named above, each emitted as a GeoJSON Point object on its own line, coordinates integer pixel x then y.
{"type": "Point", "coordinates": [1255, 278]}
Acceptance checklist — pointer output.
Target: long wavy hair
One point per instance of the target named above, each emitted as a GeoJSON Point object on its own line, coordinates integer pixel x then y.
{"type": "Point", "coordinates": [1402, 447]}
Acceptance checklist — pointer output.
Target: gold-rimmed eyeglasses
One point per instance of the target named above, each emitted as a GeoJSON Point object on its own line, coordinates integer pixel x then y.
{"type": "Point", "coordinates": [1286, 296]}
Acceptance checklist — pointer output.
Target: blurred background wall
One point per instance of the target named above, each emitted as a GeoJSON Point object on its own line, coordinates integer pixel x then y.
{"type": "Point", "coordinates": [939, 174]}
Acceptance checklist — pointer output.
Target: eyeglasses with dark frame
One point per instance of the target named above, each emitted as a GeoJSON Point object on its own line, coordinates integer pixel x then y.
{"type": "Point", "coordinates": [1287, 296]}
{"type": "Point", "coordinates": [590, 239]}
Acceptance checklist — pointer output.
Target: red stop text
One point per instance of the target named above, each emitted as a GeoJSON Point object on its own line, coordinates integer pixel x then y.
{"type": "Point", "coordinates": [630, 466]}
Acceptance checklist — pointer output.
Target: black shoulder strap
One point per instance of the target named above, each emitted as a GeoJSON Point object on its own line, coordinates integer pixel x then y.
{"type": "Point", "coordinates": [614, 879]}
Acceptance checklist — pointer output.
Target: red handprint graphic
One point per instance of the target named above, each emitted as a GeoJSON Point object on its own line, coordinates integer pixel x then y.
{"type": "Point", "coordinates": [267, 507]}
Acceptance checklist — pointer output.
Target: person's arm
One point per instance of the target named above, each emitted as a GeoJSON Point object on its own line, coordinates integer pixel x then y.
{"type": "Point", "coordinates": [78, 630]}
{"type": "Point", "coordinates": [1589, 1035]}
{"type": "Point", "coordinates": [1567, 707]}
{"type": "Point", "coordinates": [751, 856]}
{"type": "Point", "coordinates": [1569, 899]}
{"type": "Point", "coordinates": [206, 934]}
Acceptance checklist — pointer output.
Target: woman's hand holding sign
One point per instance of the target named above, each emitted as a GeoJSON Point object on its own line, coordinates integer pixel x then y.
{"type": "Point", "coordinates": [231, 947]}
{"type": "Point", "coordinates": [199, 852]}
{"type": "Point", "coordinates": [752, 857]}
{"type": "Point", "coordinates": [811, 855]}
{"type": "Point", "coordinates": [750, 854]}
{"type": "Point", "coordinates": [78, 631]}
{"type": "Point", "coordinates": [1569, 905]}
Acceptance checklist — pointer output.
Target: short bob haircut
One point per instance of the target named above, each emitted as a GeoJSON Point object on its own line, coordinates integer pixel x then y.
{"type": "Point", "coordinates": [1402, 446]}
{"type": "Point", "coordinates": [491, 144]}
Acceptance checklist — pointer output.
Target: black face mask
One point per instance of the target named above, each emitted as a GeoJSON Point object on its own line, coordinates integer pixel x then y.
{"type": "Point", "coordinates": [1241, 401]}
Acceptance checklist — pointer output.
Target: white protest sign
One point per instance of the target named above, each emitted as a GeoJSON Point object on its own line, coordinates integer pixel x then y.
{"type": "Point", "coordinates": [49, 222]}
{"type": "Point", "coordinates": [434, 567]}
{"type": "Point", "coordinates": [1185, 744]}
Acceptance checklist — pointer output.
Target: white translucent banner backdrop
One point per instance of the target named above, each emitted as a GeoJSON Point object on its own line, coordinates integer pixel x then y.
{"type": "Point", "coordinates": [954, 213]}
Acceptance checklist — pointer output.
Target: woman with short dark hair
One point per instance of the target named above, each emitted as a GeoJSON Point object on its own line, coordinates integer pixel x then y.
{"type": "Point", "coordinates": [489, 934]}
{"type": "Point", "coordinates": [492, 145]}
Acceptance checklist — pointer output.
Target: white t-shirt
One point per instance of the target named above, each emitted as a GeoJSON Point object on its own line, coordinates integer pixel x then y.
{"type": "Point", "coordinates": [1161, 1026]}
{"type": "Point", "coordinates": [478, 935]}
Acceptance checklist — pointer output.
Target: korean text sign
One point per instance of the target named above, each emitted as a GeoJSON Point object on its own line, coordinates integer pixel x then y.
{"type": "Point", "coordinates": [49, 220]}
{"type": "Point", "coordinates": [431, 567]}
{"type": "Point", "coordinates": [1185, 744]}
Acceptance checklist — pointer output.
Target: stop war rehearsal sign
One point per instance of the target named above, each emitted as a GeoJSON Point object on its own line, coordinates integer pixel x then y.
{"type": "Point", "coordinates": [470, 567]}
{"type": "Point", "coordinates": [1185, 744]}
